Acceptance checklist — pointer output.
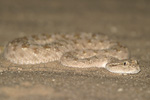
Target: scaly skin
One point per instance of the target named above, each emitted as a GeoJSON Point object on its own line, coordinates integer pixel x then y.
{"type": "Point", "coordinates": [82, 50]}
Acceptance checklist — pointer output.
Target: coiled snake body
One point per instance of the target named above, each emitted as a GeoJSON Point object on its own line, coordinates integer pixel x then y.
{"type": "Point", "coordinates": [80, 50]}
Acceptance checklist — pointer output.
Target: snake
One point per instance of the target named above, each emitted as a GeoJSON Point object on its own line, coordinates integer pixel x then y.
{"type": "Point", "coordinates": [78, 49]}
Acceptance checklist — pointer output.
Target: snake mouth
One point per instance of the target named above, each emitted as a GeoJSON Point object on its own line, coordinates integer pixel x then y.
{"type": "Point", "coordinates": [123, 71]}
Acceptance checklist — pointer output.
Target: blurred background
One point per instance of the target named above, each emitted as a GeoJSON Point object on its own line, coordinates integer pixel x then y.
{"type": "Point", "coordinates": [19, 17]}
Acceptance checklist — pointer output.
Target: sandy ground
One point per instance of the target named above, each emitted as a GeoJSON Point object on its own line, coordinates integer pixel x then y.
{"type": "Point", "coordinates": [125, 20]}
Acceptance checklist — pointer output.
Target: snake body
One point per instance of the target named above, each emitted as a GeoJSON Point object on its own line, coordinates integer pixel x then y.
{"type": "Point", "coordinates": [82, 50]}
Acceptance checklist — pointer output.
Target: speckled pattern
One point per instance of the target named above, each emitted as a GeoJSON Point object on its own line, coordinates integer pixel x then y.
{"type": "Point", "coordinates": [82, 50]}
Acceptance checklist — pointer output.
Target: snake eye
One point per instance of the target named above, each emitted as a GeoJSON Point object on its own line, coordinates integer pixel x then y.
{"type": "Point", "coordinates": [124, 63]}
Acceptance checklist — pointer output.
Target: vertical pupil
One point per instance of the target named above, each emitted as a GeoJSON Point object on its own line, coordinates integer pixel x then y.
{"type": "Point", "coordinates": [124, 63]}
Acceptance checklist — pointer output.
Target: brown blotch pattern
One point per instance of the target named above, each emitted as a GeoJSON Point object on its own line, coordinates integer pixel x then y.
{"type": "Point", "coordinates": [25, 45]}
{"type": "Point", "coordinates": [46, 46]}
{"type": "Point", "coordinates": [35, 50]}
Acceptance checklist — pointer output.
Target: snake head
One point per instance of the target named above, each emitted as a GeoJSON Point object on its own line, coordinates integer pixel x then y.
{"type": "Point", "coordinates": [129, 66]}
